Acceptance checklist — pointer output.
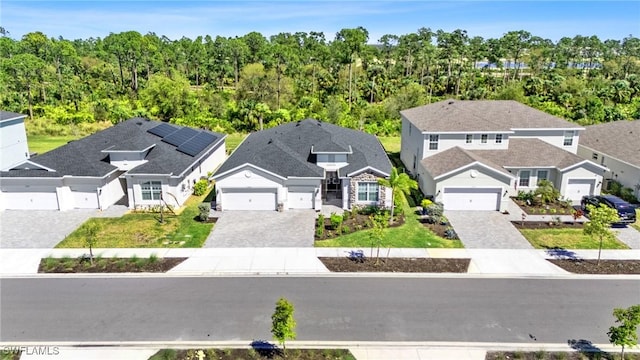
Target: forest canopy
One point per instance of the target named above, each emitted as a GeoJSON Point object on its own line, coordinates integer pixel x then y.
{"type": "Point", "coordinates": [242, 84]}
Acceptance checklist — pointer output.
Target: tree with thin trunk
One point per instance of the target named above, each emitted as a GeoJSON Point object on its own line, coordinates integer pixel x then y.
{"type": "Point", "coordinates": [598, 227]}
{"type": "Point", "coordinates": [401, 185]}
{"type": "Point", "coordinates": [283, 326]}
{"type": "Point", "coordinates": [626, 333]}
{"type": "Point", "coordinates": [91, 230]}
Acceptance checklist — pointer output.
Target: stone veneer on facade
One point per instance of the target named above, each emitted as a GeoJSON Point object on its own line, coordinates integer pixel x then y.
{"type": "Point", "coordinates": [353, 188]}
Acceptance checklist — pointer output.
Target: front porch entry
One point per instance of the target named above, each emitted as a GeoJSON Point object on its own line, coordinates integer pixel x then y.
{"type": "Point", "coordinates": [332, 190]}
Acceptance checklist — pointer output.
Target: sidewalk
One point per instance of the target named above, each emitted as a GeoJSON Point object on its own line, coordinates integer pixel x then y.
{"type": "Point", "coordinates": [304, 261]}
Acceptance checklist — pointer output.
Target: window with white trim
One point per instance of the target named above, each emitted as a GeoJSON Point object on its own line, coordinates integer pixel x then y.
{"type": "Point", "coordinates": [151, 190]}
{"type": "Point", "coordinates": [469, 138]}
{"type": "Point", "coordinates": [433, 142]}
{"type": "Point", "coordinates": [368, 191]}
{"type": "Point", "coordinates": [543, 175]}
{"type": "Point", "coordinates": [484, 138]}
{"type": "Point", "coordinates": [568, 138]}
{"type": "Point", "coordinates": [524, 178]}
{"type": "Point", "coordinates": [498, 138]}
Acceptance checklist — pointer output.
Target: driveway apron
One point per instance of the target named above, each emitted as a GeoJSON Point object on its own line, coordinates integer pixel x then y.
{"type": "Point", "coordinates": [628, 235]}
{"type": "Point", "coordinates": [486, 230]}
{"type": "Point", "coordinates": [291, 228]}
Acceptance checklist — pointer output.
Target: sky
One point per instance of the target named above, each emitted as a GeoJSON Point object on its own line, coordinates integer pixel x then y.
{"type": "Point", "coordinates": [175, 19]}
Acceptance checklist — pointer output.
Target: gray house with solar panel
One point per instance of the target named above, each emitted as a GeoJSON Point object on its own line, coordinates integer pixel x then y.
{"type": "Point", "coordinates": [139, 163]}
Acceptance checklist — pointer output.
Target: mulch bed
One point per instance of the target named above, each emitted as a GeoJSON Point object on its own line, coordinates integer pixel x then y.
{"type": "Point", "coordinates": [107, 265]}
{"type": "Point", "coordinates": [606, 267]}
{"type": "Point", "coordinates": [546, 225]}
{"type": "Point", "coordinates": [404, 265]}
{"type": "Point", "coordinates": [259, 353]}
{"type": "Point", "coordinates": [553, 209]}
{"type": "Point", "coordinates": [557, 355]}
{"type": "Point", "coordinates": [353, 223]}
{"type": "Point", "coordinates": [437, 229]}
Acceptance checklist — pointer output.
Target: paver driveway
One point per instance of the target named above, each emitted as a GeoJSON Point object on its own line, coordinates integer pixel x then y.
{"type": "Point", "coordinates": [486, 230]}
{"type": "Point", "coordinates": [43, 229]}
{"type": "Point", "coordinates": [291, 228]}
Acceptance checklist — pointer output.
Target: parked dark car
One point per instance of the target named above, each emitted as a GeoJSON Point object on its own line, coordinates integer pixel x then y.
{"type": "Point", "coordinates": [626, 211]}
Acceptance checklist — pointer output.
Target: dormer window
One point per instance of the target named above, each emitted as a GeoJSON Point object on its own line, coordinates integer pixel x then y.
{"type": "Point", "coordinates": [568, 138]}
{"type": "Point", "coordinates": [433, 142]}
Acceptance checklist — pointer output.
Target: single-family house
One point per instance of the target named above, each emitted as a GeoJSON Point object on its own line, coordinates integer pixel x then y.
{"type": "Point", "coordinates": [138, 162]}
{"type": "Point", "coordinates": [615, 145]}
{"type": "Point", "coordinates": [13, 139]}
{"type": "Point", "coordinates": [474, 155]}
{"type": "Point", "coordinates": [303, 165]}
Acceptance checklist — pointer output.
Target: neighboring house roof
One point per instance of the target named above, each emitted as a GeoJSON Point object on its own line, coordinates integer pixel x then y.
{"type": "Point", "coordinates": [481, 115]}
{"type": "Point", "coordinates": [8, 115]}
{"type": "Point", "coordinates": [618, 139]}
{"type": "Point", "coordinates": [85, 157]}
{"type": "Point", "coordinates": [286, 150]}
{"type": "Point", "coordinates": [522, 153]}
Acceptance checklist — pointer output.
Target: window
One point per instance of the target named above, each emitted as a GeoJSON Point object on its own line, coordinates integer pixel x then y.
{"type": "Point", "coordinates": [469, 138]}
{"type": "Point", "coordinates": [594, 156]}
{"type": "Point", "coordinates": [331, 158]}
{"type": "Point", "coordinates": [151, 190]}
{"type": "Point", "coordinates": [524, 178]}
{"type": "Point", "coordinates": [367, 191]}
{"type": "Point", "coordinates": [415, 162]}
{"type": "Point", "coordinates": [483, 138]}
{"type": "Point", "coordinates": [568, 138]}
{"type": "Point", "coordinates": [433, 142]}
{"type": "Point", "coordinates": [543, 175]}
{"type": "Point", "coordinates": [498, 138]}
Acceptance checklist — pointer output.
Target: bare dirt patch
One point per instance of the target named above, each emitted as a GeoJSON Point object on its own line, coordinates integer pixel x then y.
{"type": "Point", "coordinates": [606, 267]}
{"type": "Point", "coordinates": [107, 265]}
{"type": "Point", "coordinates": [400, 265]}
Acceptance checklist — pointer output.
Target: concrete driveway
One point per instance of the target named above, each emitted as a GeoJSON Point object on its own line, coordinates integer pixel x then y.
{"type": "Point", "coordinates": [44, 229]}
{"type": "Point", "coordinates": [628, 235]}
{"type": "Point", "coordinates": [291, 228]}
{"type": "Point", "coordinates": [486, 230]}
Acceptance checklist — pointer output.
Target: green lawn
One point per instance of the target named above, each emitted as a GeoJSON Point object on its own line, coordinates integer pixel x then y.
{"type": "Point", "coordinates": [233, 140]}
{"type": "Point", "coordinates": [390, 143]}
{"type": "Point", "coordinates": [566, 239]}
{"type": "Point", "coordinates": [43, 143]}
{"type": "Point", "coordinates": [138, 230]}
{"type": "Point", "coordinates": [637, 223]}
{"type": "Point", "coordinates": [412, 234]}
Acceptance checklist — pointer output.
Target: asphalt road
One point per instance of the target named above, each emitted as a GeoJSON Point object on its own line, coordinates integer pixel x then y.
{"type": "Point", "coordinates": [338, 309]}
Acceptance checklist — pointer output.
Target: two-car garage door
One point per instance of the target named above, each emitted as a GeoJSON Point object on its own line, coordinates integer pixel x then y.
{"type": "Point", "coordinates": [471, 198]}
{"type": "Point", "coordinates": [37, 197]}
{"type": "Point", "coordinates": [249, 199]}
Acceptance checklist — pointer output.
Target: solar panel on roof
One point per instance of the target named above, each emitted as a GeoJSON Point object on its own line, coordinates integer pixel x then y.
{"type": "Point", "coordinates": [162, 130]}
{"type": "Point", "coordinates": [198, 143]}
{"type": "Point", "coordinates": [180, 137]}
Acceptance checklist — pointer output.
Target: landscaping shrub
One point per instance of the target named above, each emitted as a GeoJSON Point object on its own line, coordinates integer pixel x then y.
{"type": "Point", "coordinates": [200, 188]}
{"type": "Point", "coordinates": [615, 188]}
{"type": "Point", "coordinates": [450, 234]}
{"type": "Point", "coordinates": [203, 211]}
{"type": "Point", "coordinates": [336, 221]}
{"type": "Point", "coordinates": [546, 192]}
{"type": "Point", "coordinates": [346, 215]}
{"type": "Point", "coordinates": [435, 211]}
{"type": "Point", "coordinates": [526, 196]}
{"type": "Point", "coordinates": [320, 227]}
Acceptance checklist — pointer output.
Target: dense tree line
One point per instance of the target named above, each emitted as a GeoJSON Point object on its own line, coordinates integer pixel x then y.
{"type": "Point", "coordinates": [250, 82]}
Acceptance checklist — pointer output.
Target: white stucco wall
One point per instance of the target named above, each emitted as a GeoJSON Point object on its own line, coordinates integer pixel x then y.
{"type": "Point", "coordinates": [248, 177]}
{"type": "Point", "coordinates": [411, 144]}
{"type": "Point", "coordinates": [13, 143]}
{"type": "Point", "coordinates": [585, 171]}
{"type": "Point", "coordinates": [448, 141]}
{"type": "Point", "coordinates": [623, 172]}
{"type": "Point", "coordinates": [554, 137]}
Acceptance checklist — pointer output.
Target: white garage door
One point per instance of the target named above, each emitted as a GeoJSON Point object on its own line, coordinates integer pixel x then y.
{"type": "Point", "coordinates": [472, 198]}
{"type": "Point", "coordinates": [85, 199]}
{"type": "Point", "coordinates": [301, 198]}
{"type": "Point", "coordinates": [577, 188]}
{"type": "Point", "coordinates": [34, 199]}
{"type": "Point", "coordinates": [244, 199]}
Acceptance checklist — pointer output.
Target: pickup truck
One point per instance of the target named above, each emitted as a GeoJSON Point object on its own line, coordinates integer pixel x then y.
{"type": "Point", "coordinates": [626, 211]}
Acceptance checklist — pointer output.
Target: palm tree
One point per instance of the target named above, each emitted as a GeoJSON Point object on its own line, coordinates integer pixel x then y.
{"type": "Point", "coordinates": [401, 185]}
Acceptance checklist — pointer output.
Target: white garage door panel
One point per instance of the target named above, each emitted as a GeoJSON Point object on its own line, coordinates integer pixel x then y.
{"type": "Point", "coordinates": [249, 200]}
{"type": "Point", "coordinates": [577, 188]}
{"type": "Point", "coordinates": [85, 200]}
{"type": "Point", "coordinates": [42, 199]}
{"type": "Point", "coordinates": [301, 198]}
{"type": "Point", "coordinates": [472, 198]}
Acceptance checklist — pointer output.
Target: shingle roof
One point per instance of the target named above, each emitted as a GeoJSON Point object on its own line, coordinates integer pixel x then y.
{"type": "Point", "coordinates": [8, 115]}
{"type": "Point", "coordinates": [455, 158]}
{"type": "Point", "coordinates": [481, 115]}
{"type": "Point", "coordinates": [286, 149]}
{"type": "Point", "coordinates": [85, 157]}
{"type": "Point", "coordinates": [518, 155]}
{"type": "Point", "coordinates": [618, 139]}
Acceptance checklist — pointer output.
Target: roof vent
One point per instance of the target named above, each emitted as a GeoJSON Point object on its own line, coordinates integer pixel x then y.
{"type": "Point", "coordinates": [270, 141]}
{"type": "Point", "coordinates": [298, 123]}
{"type": "Point", "coordinates": [139, 123]}
{"type": "Point", "coordinates": [451, 102]}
